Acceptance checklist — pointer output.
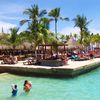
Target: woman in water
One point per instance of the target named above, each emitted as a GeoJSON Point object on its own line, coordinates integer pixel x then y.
{"type": "Point", "coordinates": [27, 86]}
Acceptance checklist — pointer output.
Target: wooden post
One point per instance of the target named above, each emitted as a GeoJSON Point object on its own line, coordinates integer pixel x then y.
{"type": "Point", "coordinates": [51, 52]}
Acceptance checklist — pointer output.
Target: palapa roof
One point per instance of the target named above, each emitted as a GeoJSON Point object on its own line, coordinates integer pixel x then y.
{"type": "Point", "coordinates": [72, 43]}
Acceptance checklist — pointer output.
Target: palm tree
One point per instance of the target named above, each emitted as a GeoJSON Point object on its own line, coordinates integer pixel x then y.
{"type": "Point", "coordinates": [4, 38]}
{"type": "Point", "coordinates": [67, 37]}
{"type": "Point", "coordinates": [87, 39]}
{"type": "Point", "coordinates": [95, 38]}
{"type": "Point", "coordinates": [81, 22]}
{"type": "Point", "coordinates": [45, 22]}
{"type": "Point", "coordinates": [55, 13]}
{"type": "Point", "coordinates": [75, 36]}
{"type": "Point", "coordinates": [34, 14]}
{"type": "Point", "coordinates": [63, 38]}
{"type": "Point", "coordinates": [34, 21]}
{"type": "Point", "coordinates": [13, 36]}
{"type": "Point", "coordinates": [25, 36]}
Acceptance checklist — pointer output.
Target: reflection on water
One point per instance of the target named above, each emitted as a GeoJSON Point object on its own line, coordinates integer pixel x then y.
{"type": "Point", "coordinates": [84, 87]}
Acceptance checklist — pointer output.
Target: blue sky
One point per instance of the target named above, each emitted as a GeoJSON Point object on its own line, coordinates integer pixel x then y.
{"type": "Point", "coordinates": [11, 12]}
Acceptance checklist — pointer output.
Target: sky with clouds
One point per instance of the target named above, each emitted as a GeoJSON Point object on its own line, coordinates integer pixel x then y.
{"type": "Point", "coordinates": [11, 13]}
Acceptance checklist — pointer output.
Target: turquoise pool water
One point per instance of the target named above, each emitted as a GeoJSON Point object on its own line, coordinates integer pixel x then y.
{"type": "Point", "coordinates": [84, 87]}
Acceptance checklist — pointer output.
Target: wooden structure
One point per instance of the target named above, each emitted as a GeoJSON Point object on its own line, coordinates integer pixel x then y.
{"type": "Point", "coordinates": [52, 55]}
{"type": "Point", "coordinates": [51, 50]}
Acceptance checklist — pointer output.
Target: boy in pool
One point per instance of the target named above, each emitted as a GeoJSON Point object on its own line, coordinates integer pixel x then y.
{"type": "Point", "coordinates": [14, 90]}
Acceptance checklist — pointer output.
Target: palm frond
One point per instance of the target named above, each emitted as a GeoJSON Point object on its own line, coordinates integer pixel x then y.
{"type": "Point", "coordinates": [22, 22]}
{"type": "Point", "coordinates": [42, 13]}
{"type": "Point", "coordinates": [66, 19]}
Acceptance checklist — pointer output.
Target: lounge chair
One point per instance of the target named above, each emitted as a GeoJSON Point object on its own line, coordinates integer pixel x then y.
{"type": "Point", "coordinates": [82, 58]}
{"type": "Point", "coordinates": [74, 57]}
{"type": "Point", "coordinates": [96, 55]}
{"type": "Point", "coordinates": [29, 61]}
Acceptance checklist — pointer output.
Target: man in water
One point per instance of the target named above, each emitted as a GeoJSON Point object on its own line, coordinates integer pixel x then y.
{"type": "Point", "coordinates": [27, 86]}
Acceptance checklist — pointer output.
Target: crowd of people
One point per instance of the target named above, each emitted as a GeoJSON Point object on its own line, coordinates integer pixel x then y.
{"type": "Point", "coordinates": [26, 87]}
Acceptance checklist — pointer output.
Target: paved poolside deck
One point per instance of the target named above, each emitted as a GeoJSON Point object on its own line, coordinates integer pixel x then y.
{"type": "Point", "coordinates": [73, 68]}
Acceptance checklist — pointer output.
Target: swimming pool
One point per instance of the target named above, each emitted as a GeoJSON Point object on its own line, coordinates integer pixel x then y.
{"type": "Point", "coordinates": [84, 87]}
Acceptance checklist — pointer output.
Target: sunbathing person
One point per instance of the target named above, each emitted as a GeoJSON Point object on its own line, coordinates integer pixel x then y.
{"type": "Point", "coordinates": [14, 60]}
{"type": "Point", "coordinates": [9, 60]}
{"type": "Point", "coordinates": [6, 60]}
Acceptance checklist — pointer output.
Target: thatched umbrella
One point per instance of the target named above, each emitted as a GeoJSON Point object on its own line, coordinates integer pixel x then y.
{"type": "Point", "coordinates": [26, 45]}
{"type": "Point", "coordinates": [72, 43]}
{"type": "Point", "coordinates": [20, 47]}
{"type": "Point", "coordinates": [62, 48]}
{"type": "Point", "coordinates": [1, 47]}
{"type": "Point", "coordinates": [4, 47]}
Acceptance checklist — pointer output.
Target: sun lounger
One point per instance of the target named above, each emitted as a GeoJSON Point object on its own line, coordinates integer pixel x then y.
{"type": "Point", "coordinates": [74, 57]}
{"type": "Point", "coordinates": [97, 56]}
{"type": "Point", "coordinates": [81, 59]}
{"type": "Point", "coordinates": [29, 61]}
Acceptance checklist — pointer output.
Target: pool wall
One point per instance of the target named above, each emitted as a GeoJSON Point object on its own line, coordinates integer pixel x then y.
{"type": "Point", "coordinates": [48, 71]}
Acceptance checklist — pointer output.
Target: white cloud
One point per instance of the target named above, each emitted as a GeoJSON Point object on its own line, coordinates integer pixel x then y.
{"type": "Point", "coordinates": [11, 12]}
{"type": "Point", "coordinates": [69, 30]}
{"type": "Point", "coordinates": [3, 17]}
{"type": "Point", "coordinates": [12, 8]}
{"type": "Point", "coordinates": [6, 26]}
{"type": "Point", "coordinates": [95, 31]}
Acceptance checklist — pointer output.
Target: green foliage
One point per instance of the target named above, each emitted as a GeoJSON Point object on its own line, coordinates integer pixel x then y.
{"type": "Point", "coordinates": [87, 39]}
{"type": "Point", "coordinates": [25, 36]}
{"type": "Point", "coordinates": [13, 37]}
{"type": "Point", "coordinates": [37, 24]}
{"type": "Point", "coordinates": [81, 22]}
{"type": "Point", "coordinates": [95, 38]}
{"type": "Point", "coordinates": [4, 38]}
{"type": "Point", "coordinates": [55, 13]}
{"type": "Point", "coordinates": [38, 29]}
{"type": "Point", "coordinates": [45, 22]}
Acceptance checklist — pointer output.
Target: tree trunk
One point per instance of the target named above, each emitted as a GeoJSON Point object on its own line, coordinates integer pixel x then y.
{"type": "Point", "coordinates": [14, 46]}
{"type": "Point", "coordinates": [81, 33]}
{"type": "Point", "coordinates": [56, 27]}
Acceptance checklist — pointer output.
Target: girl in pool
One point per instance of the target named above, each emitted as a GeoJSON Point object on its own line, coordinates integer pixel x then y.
{"type": "Point", "coordinates": [14, 90]}
{"type": "Point", "coordinates": [27, 86]}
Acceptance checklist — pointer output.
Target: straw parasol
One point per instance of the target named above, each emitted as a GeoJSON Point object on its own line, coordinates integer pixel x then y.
{"type": "Point", "coordinates": [72, 43]}
{"type": "Point", "coordinates": [27, 45]}
{"type": "Point", "coordinates": [4, 47]}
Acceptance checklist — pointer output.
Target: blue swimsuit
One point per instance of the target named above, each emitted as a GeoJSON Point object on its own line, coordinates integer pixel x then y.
{"type": "Point", "coordinates": [14, 92]}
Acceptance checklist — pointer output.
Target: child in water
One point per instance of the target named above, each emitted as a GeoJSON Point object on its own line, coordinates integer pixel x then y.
{"type": "Point", "coordinates": [27, 86]}
{"type": "Point", "coordinates": [14, 90]}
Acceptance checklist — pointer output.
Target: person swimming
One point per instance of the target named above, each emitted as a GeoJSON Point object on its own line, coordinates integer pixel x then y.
{"type": "Point", "coordinates": [27, 86]}
{"type": "Point", "coordinates": [14, 90]}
